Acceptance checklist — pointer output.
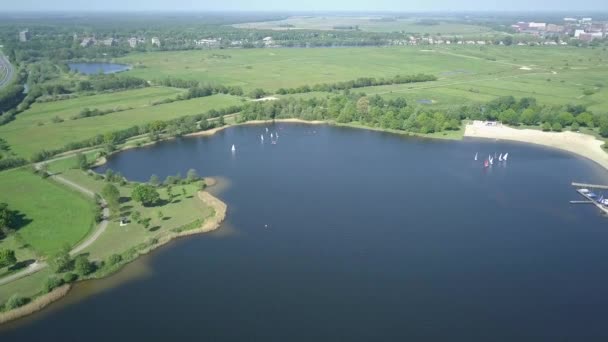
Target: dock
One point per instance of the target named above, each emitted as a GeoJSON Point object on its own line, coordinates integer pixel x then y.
{"type": "Point", "coordinates": [591, 186]}
{"type": "Point", "coordinates": [582, 190]}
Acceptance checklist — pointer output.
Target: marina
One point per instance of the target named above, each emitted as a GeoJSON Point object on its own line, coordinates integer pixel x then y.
{"type": "Point", "coordinates": [583, 189]}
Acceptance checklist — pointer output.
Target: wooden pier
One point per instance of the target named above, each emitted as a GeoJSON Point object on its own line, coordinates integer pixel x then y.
{"type": "Point", "coordinates": [589, 200]}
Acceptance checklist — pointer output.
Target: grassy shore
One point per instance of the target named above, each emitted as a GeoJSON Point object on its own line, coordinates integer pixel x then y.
{"type": "Point", "coordinates": [24, 134]}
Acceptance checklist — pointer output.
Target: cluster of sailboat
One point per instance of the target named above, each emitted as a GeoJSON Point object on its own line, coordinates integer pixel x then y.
{"type": "Point", "coordinates": [490, 160]}
{"type": "Point", "coordinates": [274, 138]}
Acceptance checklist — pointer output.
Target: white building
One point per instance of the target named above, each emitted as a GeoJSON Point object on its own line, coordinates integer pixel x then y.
{"type": "Point", "coordinates": [132, 42]}
{"type": "Point", "coordinates": [155, 41]}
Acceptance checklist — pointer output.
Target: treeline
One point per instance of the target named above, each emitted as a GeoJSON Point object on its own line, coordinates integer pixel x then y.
{"type": "Point", "coordinates": [87, 113]}
{"type": "Point", "coordinates": [175, 127]}
{"type": "Point", "coordinates": [526, 111]}
{"type": "Point", "coordinates": [111, 82]}
{"type": "Point", "coordinates": [371, 111]}
{"type": "Point", "coordinates": [358, 83]}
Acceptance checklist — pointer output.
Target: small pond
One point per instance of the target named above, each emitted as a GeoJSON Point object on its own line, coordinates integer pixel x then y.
{"type": "Point", "coordinates": [96, 68]}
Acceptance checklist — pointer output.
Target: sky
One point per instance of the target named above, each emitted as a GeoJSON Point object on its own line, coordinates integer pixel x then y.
{"type": "Point", "coordinates": [304, 5]}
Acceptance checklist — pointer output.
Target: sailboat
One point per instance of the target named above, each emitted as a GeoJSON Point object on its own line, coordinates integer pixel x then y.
{"type": "Point", "coordinates": [262, 137]}
{"type": "Point", "coordinates": [266, 129]}
{"type": "Point", "coordinates": [505, 156]}
{"type": "Point", "coordinates": [491, 160]}
{"type": "Point", "coordinates": [270, 135]}
{"type": "Point", "coordinates": [233, 148]}
{"type": "Point", "coordinates": [500, 157]}
{"type": "Point", "coordinates": [276, 134]}
{"type": "Point", "coordinates": [485, 163]}
{"type": "Point", "coordinates": [475, 156]}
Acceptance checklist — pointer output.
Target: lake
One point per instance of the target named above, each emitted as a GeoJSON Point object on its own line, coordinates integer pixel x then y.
{"type": "Point", "coordinates": [340, 234]}
{"type": "Point", "coordinates": [96, 68]}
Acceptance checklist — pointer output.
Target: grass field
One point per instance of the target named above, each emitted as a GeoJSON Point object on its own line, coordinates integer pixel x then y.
{"type": "Point", "coordinates": [180, 211]}
{"type": "Point", "coordinates": [52, 214]}
{"type": "Point", "coordinates": [370, 24]}
{"type": "Point", "coordinates": [272, 69]}
{"type": "Point", "coordinates": [33, 129]}
{"type": "Point", "coordinates": [554, 75]}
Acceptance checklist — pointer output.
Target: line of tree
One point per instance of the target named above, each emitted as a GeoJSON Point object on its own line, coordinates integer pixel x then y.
{"type": "Point", "coordinates": [359, 83]}
{"type": "Point", "coordinates": [174, 127]}
{"type": "Point", "coordinates": [87, 113]}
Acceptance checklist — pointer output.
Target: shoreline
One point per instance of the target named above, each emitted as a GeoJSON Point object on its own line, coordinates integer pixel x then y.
{"type": "Point", "coordinates": [584, 145]}
{"type": "Point", "coordinates": [208, 225]}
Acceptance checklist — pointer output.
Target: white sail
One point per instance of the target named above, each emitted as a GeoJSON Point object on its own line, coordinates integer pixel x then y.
{"type": "Point", "coordinates": [233, 148]}
{"type": "Point", "coordinates": [491, 160]}
{"type": "Point", "coordinates": [500, 157]}
{"type": "Point", "coordinates": [262, 137]}
{"type": "Point", "coordinates": [276, 134]}
{"type": "Point", "coordinates": [266, 129]}
{"type": "Point", "coordinates": [505, 156]}
{"type": "Point", "coordinates": [475, 156]}
{"type": "Point", "coordinates": [270, 135]}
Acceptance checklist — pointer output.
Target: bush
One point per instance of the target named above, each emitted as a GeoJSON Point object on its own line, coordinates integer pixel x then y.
{"type": "Point", "coordinates": [114, 259]}
{"type": "Point", "coordinates": [52, 283]}
{"type": "Point", "coordinates": [15, 301]}
{"type": "Point", "coordinates": [557, 127]}
{"type": "Point", "coordinates": [546, 126]}
{"type": "Point", "coordinates": [575, 127]}
{"type": "Point", "coordinates": [69, 278]}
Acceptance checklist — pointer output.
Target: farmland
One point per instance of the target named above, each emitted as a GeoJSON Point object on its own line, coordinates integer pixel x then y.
{"type": "Point", "coordinates": [371, 24]}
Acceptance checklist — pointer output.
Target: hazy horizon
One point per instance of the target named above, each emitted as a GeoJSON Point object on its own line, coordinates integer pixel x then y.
{"type": "Point", "coordinates": [309, 6]}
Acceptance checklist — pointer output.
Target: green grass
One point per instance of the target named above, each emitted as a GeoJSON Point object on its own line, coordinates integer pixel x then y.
{"type": "Point", "coordinates": [27, 137]}
{"type": "Point", "coordinates": [276, 68]}
{"type": "Point", "coordinates": [371, 24]}
{"type": "Point", "coordinates": [53, 215]}
{"type": "Point", "coordinates": [27, 287]}
{"type": "Point", "coordinates": [180, 211]}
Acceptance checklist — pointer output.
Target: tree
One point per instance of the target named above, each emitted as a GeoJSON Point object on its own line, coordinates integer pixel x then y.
{"type": "Point", "coordinates": [154, 180]}
{"type": "Point", "coordinates": [146, 222]}
{"type": "Point", "coordinates": [546, 126]}
{"type": "Point", "coordinates": [61, 261]}
{"type": "Point", "coordinates": [15, 301]}
{"type": "Point", "coordinates": [192, 176]}
{"type": "Point", "coordinates": [7, 218]}
{"type": "Point", "coordinates": [604, 126]}
{"type": "Point", "coordinates": [145, 194]}
{"type": "Point", "coordinates": [7, 257]}
{"type": "Point", "coordinates": [81, 161]}
{"type": "Point", "coordinates": [83, 266]}
{"type": "Point", "coordinates": [136, 216]}
{"type": "Point", "coordinates": [160, 215]}
{"type": "Point", "coordinates": [170, 191]}
{"type": "Point", "coordinates": [529, 117]}
{"type": "Point", "coordinates": [52, 283]}
{"type": "Point", "coordinates": [509, 117]}
{"type": "Point", "coordinates": [112, 195]}
{"type": "Point", "coordinates": [184, 192]}
{"type": "Point", "coordinates": [565, 119]}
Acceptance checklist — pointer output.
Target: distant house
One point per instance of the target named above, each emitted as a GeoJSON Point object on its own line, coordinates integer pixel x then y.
{"type": "Point", "coordinates": [109, 42]}
{"type": "Point", "coordinates": [88, 41]}
{"type": "Point", "coordinates": [210, 43]}
{"type": "Point", "coordinates": [155, 41]}
{"type": "Point", "coordinates": [268, 41]}
{"type": "Point", "coordinates": [24, 35]}
{"type": "Point", "coordinates": [132, 42]}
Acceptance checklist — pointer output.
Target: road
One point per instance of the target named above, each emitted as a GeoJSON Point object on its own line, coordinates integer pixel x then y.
{"type": "Point", "coordinates": [6, 77]}
{"type": "Point", "coordinates": [101, 227]}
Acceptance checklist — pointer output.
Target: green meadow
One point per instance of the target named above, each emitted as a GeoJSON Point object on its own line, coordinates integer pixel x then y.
{"type": "Point", "coordinates": [34, 129]}
{"type": "Point", "coordinates": [371, 24]}
{"type": "Point", "coordinates": [47, 222]}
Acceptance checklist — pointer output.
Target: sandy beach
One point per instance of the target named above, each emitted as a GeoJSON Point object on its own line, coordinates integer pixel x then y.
{"type": "Point", "coordinates": [582, 144]}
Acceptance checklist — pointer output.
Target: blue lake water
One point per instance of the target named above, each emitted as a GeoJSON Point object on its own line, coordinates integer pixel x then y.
{"type": "Point", "coordinates": [339, 234]}
{"type": "Point", "coordinates": [96, 68]}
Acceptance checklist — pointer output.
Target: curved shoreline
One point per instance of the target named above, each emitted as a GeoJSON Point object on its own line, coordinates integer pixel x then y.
{"type": "Point", "coordinates": [583, 145]}
{"type": "Point", "coordinates": [209, 224]}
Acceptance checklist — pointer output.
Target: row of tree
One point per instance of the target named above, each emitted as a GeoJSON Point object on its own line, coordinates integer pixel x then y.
{"type": "Point", "coordinates": [358, 83]}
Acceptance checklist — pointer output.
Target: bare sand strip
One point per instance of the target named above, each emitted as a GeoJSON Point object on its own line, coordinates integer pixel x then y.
{"type": "Point", "coordinates": [582, 144]}
{"type": "Point", "coordinates": [255, 122]}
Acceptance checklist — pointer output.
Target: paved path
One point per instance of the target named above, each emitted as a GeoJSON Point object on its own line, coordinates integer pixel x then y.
{"type": "Point", "coordinates": [101, 227]}
{"type": "Point", "coordinates": [8, 75]}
